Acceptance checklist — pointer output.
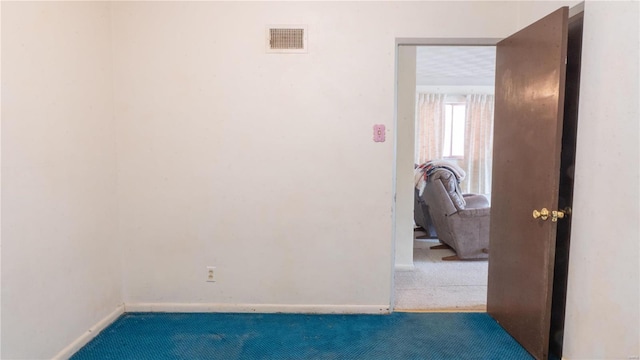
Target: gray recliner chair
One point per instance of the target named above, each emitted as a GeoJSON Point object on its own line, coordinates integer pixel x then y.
{"type": "Point", "coordinates": [461, 221]}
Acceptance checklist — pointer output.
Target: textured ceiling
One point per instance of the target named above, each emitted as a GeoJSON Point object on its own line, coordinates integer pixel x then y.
{"type": "Point", "coordinates": [455, 65]}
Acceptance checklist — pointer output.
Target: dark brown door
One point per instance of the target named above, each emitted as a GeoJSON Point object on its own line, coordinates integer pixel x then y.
{"type": "Point", "coordinates": [530, 87]}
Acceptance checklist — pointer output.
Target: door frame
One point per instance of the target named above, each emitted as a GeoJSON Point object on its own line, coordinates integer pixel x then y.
{"type": "Point", "coordinates": [402, 204]}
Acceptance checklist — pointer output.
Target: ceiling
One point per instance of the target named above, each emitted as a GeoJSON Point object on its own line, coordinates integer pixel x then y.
{"type": "Point", "coordinates": [455, 65]}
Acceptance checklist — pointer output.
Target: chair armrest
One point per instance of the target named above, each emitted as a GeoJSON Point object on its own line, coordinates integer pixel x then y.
{"type": "Point", "coordinates": [476, 201]}
{"type": "Point", "coordinates": [479, 212]}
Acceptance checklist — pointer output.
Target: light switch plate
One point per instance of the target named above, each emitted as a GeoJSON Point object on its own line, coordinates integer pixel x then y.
{"type": "Point", "coordinates": [378, 133]}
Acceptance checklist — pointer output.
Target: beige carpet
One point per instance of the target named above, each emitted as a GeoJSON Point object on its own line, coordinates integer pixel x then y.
{"type": "Point", "coordinates": [436, 285]}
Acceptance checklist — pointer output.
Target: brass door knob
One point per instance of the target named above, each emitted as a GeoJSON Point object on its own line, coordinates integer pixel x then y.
{"type": "Point", "coordinates": [542, 214]}
{"type": "Point", "coordinates": [555, 215]}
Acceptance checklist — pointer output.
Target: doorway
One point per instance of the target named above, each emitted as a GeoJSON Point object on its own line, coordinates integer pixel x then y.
{"type": "Point", "coordinates": [532, 68]}
{"type": "Point", "coordinates": [456, 83]}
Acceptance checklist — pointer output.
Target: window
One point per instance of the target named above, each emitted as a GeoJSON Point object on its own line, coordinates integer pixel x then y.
{"type": "Point", "coordinates": [454, 130]}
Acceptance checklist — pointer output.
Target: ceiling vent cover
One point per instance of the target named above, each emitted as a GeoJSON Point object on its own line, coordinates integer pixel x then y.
{"type": "Point", "coordinates": [285, 39]}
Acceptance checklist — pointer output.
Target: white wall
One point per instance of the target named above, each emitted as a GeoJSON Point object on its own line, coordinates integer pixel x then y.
{"type": "Point", "coordinates": [603, 315]}
{"type": "Point", "coordinates": [405, 145]}
{"type": "Point", "coordinates": [264, 165]}
{"type": "Point", "coordinates": [0, 184]}
{"type": "Point", "coordinates": [60, 260]}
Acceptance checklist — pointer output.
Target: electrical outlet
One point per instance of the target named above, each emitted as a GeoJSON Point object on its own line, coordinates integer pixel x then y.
{"type": "Point", "coordinates": [211, 274]}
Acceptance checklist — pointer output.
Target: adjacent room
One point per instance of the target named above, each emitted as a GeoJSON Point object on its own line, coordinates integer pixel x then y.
{"type": "Point", "coordinates": [453, 142]}
{"type": "Point", "coordinates": [169, 157]}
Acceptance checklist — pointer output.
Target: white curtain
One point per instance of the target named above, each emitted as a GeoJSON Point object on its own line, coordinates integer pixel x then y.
{"type": "Point", "coordinates": [429, 127]}
{"type": "Point", "coordinates": [478, 144]}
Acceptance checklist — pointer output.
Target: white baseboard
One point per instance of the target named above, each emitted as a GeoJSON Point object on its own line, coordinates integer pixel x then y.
{"type": "Point", "coordinates": [257, 308]}
{"type": "Point", "coordinates": [89, 334]}
{"type": "Point", "coordinates": [403, 267]}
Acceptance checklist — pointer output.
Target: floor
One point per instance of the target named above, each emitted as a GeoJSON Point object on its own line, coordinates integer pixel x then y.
{"type": "Point", "coordinates": [438, 285]}
{"type": "Point", "coordinates": [294, 336]}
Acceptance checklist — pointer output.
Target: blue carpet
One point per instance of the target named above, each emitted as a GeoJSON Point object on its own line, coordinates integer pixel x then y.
{"type": "Point", "coordinates": [294, 336]}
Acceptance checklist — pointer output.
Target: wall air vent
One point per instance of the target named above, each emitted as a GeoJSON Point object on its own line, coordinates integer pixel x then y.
{"type": "Point", "coordinates": [286, 39]}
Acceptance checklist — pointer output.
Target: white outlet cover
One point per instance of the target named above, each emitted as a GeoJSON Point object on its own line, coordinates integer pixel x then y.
{"type": "Point", "coordinates": [211, 270]}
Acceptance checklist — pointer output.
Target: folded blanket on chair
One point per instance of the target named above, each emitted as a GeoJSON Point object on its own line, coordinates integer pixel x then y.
{"type": "Point", "coordinates": [422, 172]}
